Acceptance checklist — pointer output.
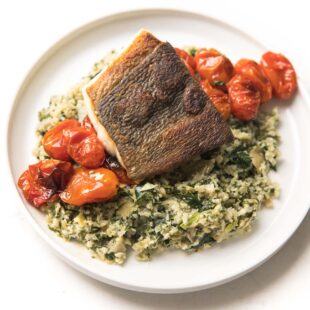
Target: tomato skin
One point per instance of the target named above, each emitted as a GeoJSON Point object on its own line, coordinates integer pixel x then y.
{"type": "Point", "coordinates": [188, 60]}
{"type": "Point", "coordinates": [33, 192]}
{"type": "Point", "coordinates": [244, 97]}
{"type": "Point", "coordinates": [84, 147]}
{"type": "Point", "coordinates": [87, 124]}
{"type": "Point", "coordinates": [54, 142]}
{"type": "Point", "coordinates": [42, 182]}
{"type": "Point", "coordinates": [112, 164]}
{"type": "Point", "coordinates": [89, 186]}
{"type": "Point", "coordinates": [281, 74]}
{"type": "Point", "coordinates": [69, 140]}
{"type": "Point", "coordinates": [219, 99]}
{"type": "Point", "coordinates": [213, 66]}
{"type": "Point", "coordinates": [255, 73]}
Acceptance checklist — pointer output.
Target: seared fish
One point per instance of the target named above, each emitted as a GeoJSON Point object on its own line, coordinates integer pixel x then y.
{"type": "Point", "coordinates": [150, 112]}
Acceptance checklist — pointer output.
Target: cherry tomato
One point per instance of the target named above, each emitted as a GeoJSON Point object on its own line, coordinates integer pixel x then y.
{"type": "Point", "coordinates": [84, 147]}
{"type": "Point", "coordinates": [54, 143]}
{"type": "Point", "coordinates": [213, 66]}
{"type": "Point", "coordinates": [112, 164]}
{"type": "Point", "coordinates": [244, 97]}
{"type": "Point", "coordinates": [43, 181]}
{"type": "Point", "coordinates": [88, 186]}
{"type": "Point", "coordinates": [281, 74]}
{"type": "Point", "coordinates": [254, 72]}
{"type": "Point", "coordinates": [87, 124]}
{"type": "Point", "coordinates": [188, 60]}
{"type": "Point", "coordinates": [219, 99]}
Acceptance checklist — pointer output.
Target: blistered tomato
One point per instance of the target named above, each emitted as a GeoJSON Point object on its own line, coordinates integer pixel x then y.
{"type": "Point", "coordinates": [112, 164]}
{"type": "Point", "coordinates": [87, 124]}
{"type": "Point", "coordinates": [219, 98]}
{"type": "Point", "coordinates": [90, 185]}
{"type": "Point", "coordinates": [281, 74]}
{"type": "Point", "coordinates": [54, 142]}
{"type": "Point", "coordinates": [188, 60]}
{"type": "Point", "coordinates": [255, 73]}
{"type": "Point", "coordinates": [244, 97]}
{"type": "Point", "coordinates": [43, 181]}
{"type": "Point", "coordinates": [213, 66]}
{"type": "Point", "coordinates": [84, 147]}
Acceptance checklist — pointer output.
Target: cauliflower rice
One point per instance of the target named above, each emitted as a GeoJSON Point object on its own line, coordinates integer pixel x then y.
{"type": "Point", "coordinates": [208, 200]}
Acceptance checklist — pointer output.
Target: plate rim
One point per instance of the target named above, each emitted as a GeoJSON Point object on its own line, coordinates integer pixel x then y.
{"type": "Point", "coordinates": [31, 71]}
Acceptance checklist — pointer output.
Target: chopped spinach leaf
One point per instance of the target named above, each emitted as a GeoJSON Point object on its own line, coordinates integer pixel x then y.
{"type": "Point", "coordinates": [206, 239]}
{"type": "Point", "coordinates": [218, 83]}
{"type": "Point", "coordinates": [240, 157]}
{"type": "Point", "coordinates": [110, 255]}
{"type": "Point", "coordinates": [191, 199]}
{"type": "Point", "coordinates": [193, 51]}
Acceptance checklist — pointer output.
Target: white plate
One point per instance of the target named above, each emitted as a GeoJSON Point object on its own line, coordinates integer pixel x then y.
{"type": "Point", "coordinates": [71, 58]}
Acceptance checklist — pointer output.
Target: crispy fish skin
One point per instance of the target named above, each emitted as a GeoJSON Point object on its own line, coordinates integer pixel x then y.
{"type": "Point", "coordinates": [159, 117]}
{"type": "Point", "coordinates": [143, 44]}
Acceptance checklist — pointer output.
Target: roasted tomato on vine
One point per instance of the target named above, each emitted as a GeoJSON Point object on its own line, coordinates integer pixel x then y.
{"type": "Point", "coordinates": [112, 164]}
{"type": "Point", "coordinates": [213, 66]}
{"type": "Point", "coordinates": [88, 186]}
{"type": "Point", "coordinates": [188, 60]}
{"type": "Point", "coordinates": [281, 74]}
{"type": "Point", "coordinates": [219, 98]}
{"type": "Point", "coordinates": [54, 142]}
{"type": "Point", "coordinates": [84, 147]}
{"type": "Point", "coordinates": [43, 181]}
{"type": "Point", "coordinates": [244, 97]}
{"type": "Point", "coordinates": [255, 73]}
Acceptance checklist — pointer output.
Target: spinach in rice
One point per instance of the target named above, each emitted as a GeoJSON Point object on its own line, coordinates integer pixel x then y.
{"type": "Point", "coordinates": [208, 200]}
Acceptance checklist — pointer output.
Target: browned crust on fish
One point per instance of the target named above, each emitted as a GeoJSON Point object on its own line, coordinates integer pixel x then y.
{"type": "Point", "coordinates": [159, 116]}
{"type": "Point", "coordinates": [141, 46]}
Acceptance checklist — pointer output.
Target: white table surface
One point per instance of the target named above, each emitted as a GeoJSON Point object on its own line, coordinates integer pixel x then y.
{"type": "Point", "coordinates": [31, 275]}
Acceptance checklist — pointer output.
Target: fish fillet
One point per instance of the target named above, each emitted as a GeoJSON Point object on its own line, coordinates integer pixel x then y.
{"type": "Point", "coordinates": [150, 112]}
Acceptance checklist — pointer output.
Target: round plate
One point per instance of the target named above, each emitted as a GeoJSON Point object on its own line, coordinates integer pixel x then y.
{"type": "Point", "coordinates": [173, 271]}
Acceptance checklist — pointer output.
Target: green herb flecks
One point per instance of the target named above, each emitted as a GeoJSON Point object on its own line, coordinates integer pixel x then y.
{"type": "Point", "coordinates": [240, 156]}
{"type": "Point", "coordinates": [218, 83]}
{"type": "Point", "coordinates": [191, 199]}
{"type": "Point", "coordinates": [193, 51]}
